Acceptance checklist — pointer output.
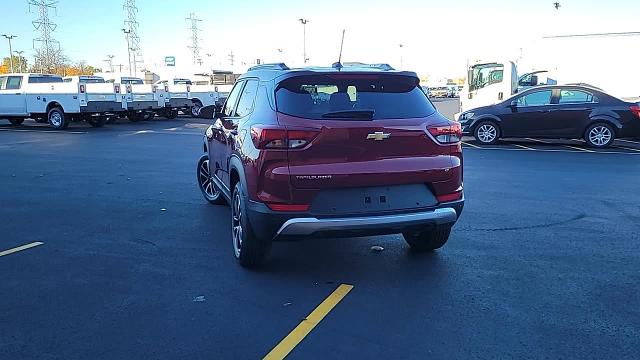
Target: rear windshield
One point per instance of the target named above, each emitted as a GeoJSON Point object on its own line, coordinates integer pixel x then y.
{"type": "Point", "coordinates": [132, 81]}
{"type": "Point", "coordinates": [44, 79]}
{"type": "Point", "coordinates": [92, 80]}
{"type": "Point", "coordinates": [347, 96]}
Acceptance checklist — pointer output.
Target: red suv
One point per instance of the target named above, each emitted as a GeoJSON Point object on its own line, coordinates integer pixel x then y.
{"type": "Point", "coordinates": [348, 150]}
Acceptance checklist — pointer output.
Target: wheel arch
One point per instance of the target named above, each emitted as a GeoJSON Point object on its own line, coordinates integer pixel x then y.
{"type": "Point", "coordinates": [236, 173]}
{"type": "Point", "coordinates": [486, 118]}
{"type": "Point", "coordinates": [604, 119]}
{"type": "Point", "coordinates": [54, 104]}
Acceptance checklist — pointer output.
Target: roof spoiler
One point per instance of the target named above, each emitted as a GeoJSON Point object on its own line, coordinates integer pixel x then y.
{"type": "Point", "coordinates": [274, 66]}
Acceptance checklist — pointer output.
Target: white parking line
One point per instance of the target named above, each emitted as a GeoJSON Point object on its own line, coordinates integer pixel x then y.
{"type": "Point", "coordinates": [468, 144]}
{"type": "Point", "coordinates": [629, 141]}
{"type": "Point", "coordinates": [563, 151]}
{"type": "Point", "coordinates": [577, 148]}
{"type": "Point", "coordinates": [523, 147]}
{"type": "Point", "coordinates": [44, 130]}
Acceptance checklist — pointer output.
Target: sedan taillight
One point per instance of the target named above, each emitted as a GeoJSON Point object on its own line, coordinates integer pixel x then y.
{"type": "Point", "coordinates": [635, 109]}
{"type": "Point", "coordinates": [447, 134]}
{"type": "Point", "coordinates": [278, 138]}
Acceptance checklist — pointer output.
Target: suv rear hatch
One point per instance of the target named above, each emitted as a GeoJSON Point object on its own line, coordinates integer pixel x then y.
{"type": "Point", "coordinates": [370, 132]}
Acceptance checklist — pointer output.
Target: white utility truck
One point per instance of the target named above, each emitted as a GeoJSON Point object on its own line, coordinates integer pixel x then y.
{"type": "Point", "coordinates": [142, 100]}
{"type": "Point", "coordinates": [47, 98]}
{"type": "Point", "coordinates": [183, 95]}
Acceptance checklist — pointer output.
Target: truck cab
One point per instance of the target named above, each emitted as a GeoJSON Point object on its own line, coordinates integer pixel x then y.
{"type": "Point", "coordinates": [488, 83]}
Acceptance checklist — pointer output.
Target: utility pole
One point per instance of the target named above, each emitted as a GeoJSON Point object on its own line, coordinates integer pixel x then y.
{"type": "Point", "coordinates": [231, 57]}
{"type": "Point", "coordinates": [401, 46]}
{"type": "Point", "coordinates": [120, 67]}
{"type": "Point", "coordinates": [20, 60]}
{"type": "Point", "coordinates": [131, 24]}
{"type": "Point", "coordinates": [126, 35]}
{"type": "Point", "coordinates": [109, 61]}
{"type": "Point", "coordinates": [48, 57]}
{"type": "Point", "coordinates": [304, 23]}
{"type": "Point", "coordinates": [195, 46]}
{"type": "Point", "coordinates": [9, 37]}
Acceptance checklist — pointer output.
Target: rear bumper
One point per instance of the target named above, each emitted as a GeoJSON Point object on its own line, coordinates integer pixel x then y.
{"type": "Point", "coordinates": [178, 103]}
{"type": "Point", "coordinates": [268, 224]}
{"type": "Point", "coordinates": [101, 106]}
{"type": "Point", "coordinates": [310, 226]}
{"type": "Point", "coordinates": [142, 105]}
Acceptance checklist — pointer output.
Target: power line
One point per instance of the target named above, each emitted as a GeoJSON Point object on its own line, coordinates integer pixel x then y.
{"type": "Point", "coordinates": [47, 54]}
{"type": "Point", "coordinates": [628, 33]}
{"type": "Point", "coordinates": [195, 40]}
{"type": "Point", "coordinates": [131, 25]}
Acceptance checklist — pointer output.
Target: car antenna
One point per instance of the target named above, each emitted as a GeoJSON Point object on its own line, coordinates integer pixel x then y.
{"type": "Point", "coordinates": [338, 65]}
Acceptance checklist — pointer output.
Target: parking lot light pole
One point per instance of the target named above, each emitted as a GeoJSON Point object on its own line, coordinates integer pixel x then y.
{"type": "Point", "coordinates": [126, 34]}
{"type": "Point", "coordinates": [304, 23]}
{"type": "Point", "coordinates": [401, 65]}
{"type": "Point", "coordinates": [9, 37]}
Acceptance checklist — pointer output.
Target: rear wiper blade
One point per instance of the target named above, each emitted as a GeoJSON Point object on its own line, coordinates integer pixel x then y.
{"type": "Point", "coordinates": [351, 114]}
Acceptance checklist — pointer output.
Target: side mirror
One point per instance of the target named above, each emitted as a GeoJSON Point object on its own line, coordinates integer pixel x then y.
{"type": "Point", "coordinates": [513, 104]}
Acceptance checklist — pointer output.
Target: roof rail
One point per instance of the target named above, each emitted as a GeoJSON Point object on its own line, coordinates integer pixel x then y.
{"type": "Point", "coordinates": [274, 66]}
{"type": "Point", "coordinates": [385, 67]}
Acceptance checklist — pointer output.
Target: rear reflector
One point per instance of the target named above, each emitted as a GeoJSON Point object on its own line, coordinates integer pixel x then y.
{"type": "Point", "coordinates": [288, 207]}
{"type": "Point", "coordinates": [449, 197]}
{"type": "Point", "coordinates": [450, 134]}
{"type": "Point", "coordinates": [635, 109]}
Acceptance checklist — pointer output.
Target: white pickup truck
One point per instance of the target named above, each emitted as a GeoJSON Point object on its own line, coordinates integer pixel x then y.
{"type": "Point", "coordinates": [47, 98]}
{"type": "Point", "coordinates": [141, 100]}
{"type": "Point", "coordinates": [183, 95]}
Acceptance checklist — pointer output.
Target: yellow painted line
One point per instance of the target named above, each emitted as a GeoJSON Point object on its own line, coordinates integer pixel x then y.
{"type": "Point", "coordinates": [304, 328]}
{"type": "Point", "coordinates": [577, 148]}
{"type": "Point", "coordinates": [474, 146]}
{"type": "Point", "coordinates": [523, 147]}
{"type": "Point", "coordinates": [20, 248]}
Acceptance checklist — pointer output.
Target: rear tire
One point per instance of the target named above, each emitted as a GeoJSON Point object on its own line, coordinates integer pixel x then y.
{"type": "Point", "coordinates": [57, 118]}
{"type": "Point", "coordinates": [599, 135]}
{"type": "Point", "coordinates": [487, 133]}
{"type": "Point", "coordinates": [16, 121]}
{"type": "Point", "coordinates": [250, 250]}
{"type": "Point", "coordinates": [135, 116]}
{"type": "Point", "coordinates": [208, 188]}
{"type": "Point", "coordinates": [171, 114]}
{"type": "Point", "coordinates": [148, 115]}
{"type": "Point", "coordinates": [427, 240]}
{"type": "Point", "coordinates": [195, 109]}
{"type": "Point", "coordinates": [97, 121]}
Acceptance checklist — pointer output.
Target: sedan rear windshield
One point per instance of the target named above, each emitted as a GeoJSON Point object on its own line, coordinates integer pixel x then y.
{"type": "Point", "coordinates": [353, 96]}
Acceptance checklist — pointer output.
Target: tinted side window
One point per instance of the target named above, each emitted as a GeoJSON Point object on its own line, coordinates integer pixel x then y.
{"type": "Point", "coordinates": [231, 100]}
{"type": "Point", "coordinates": [574, 96]}
{"type": "Point", "coordinates": [3, 82]}
{"type": "Point", "coordinates": [245, 104]}
{"type": "Point", "coordinates": [38, 79]}
{"type": "Point", "coordinates": [535, 98]}
{"type": "Point", "coordinates": [13, 82]}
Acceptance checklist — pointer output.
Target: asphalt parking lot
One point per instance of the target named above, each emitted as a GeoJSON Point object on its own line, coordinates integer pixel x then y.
{"type": "Point", "coordinates": [109, 251]}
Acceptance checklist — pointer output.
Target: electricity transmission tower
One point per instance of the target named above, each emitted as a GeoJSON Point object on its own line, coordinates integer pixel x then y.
{"type": "Point", "coordinates": [131, 25]}
{"type": "Point", "coordinates": [48, 53]}
{"type": "Point", "coordinates": [195, 40]}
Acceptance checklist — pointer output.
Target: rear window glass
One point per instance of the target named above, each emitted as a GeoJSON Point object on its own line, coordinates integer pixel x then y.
{"type": "Point", "coordinates": [44, 79]}
{"type": "Point", "coordinates": [93, 80]}
{"type": "Point", "coordinates": [346, 96]}
{"type": "Point", "coordinates": [132, 81]}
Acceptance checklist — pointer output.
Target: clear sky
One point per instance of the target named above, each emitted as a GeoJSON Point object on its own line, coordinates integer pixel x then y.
{"type": "Point", "coordinates": [438, 37]}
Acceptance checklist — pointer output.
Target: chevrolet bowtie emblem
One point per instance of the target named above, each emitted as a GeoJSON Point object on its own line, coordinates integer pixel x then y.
{"type": "Point", "coordinates": [378, 136]}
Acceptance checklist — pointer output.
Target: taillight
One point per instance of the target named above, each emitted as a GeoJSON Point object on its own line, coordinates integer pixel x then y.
{"type": "Point", "coordinates": [116, 88]}
{"type": "Point", "coordinates": [288, 207]}
{"type": "Point", "coordinates": [635, 109]}
{"type": "Point", "coordinates": [456, 195]}
{"type": "Point", "coordinates": [83, 89]}
{"type": "Point", "coordinates": [448, 134]}
{"type": "Point", "coordinates": [128, 88]}
{"type": "Point", "coordinates": [166, 88]}
{"type": "Point", "coordinates": [154, 89]}
{"type": "Point", "coordinates": [278, 138]}
{"type": "Point", "coordinates": [188, 88]}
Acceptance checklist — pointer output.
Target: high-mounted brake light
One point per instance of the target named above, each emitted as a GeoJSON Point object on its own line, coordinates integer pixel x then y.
{"type": "Point", "coordinates": [278, 138]}
{"type": "Point", "coordinates": [447, 134]}
{"type": "Point", "coordinates": [83, 89]}
{"type": "Point", "coordinates": [635, 109]}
